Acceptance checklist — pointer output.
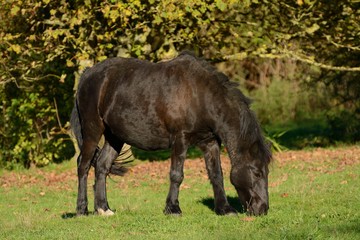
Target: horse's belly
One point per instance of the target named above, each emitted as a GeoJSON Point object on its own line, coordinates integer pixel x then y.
{"type": "Point", "coordinates": [142, 135]}
{"type": "Point", "coordinates": [147, 140]}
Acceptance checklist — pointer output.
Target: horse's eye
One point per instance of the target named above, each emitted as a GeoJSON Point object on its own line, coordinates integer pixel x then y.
{"type": "Point", "coordinates": [257, 174]}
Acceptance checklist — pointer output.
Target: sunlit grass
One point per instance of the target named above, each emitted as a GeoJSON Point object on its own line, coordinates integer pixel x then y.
{"type": "Point", "coordinates": [308, 200]}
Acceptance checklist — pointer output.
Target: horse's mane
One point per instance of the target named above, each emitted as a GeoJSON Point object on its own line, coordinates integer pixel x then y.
{"type": "Point", "coordinates": [233, 92]}
{"type": "Point", "coordinates": [223, 80]}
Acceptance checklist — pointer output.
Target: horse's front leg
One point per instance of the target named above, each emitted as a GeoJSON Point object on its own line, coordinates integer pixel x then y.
{"type": "Point", "coordinates": [178, 156]}
{"type": "Point", "coordinates": [211, 150]}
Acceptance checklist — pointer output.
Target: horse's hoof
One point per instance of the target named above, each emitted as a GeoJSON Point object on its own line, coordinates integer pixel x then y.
{"type": "Point", "coordinates": [83, 212]}
{"type": "Point", "coordinates": [173, 214]}
{"type": "Point", "coordinates": [226, 211]}
{"type": "Point", "coordinates": [101, 212]}
{"type": "Point", "coordinates": [173, 211]}
{"type": "Point", "coordinates": [231, 214]}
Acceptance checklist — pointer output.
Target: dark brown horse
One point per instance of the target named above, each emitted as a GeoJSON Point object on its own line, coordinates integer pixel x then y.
{"type": "Point", "coordinates": [174, 104]}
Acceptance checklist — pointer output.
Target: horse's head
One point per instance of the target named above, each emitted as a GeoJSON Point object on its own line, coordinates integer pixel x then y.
{"type": "Point", "coordinates": [249, 175]}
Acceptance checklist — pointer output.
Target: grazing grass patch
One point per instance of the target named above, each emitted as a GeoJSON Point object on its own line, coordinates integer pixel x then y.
{"type": "Point", "coordinates": [314, 194]}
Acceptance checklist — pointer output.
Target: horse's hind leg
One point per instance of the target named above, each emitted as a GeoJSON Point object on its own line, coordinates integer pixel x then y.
{"type": "Point", "coordinates": [102, 167]}
{"type": "Point", "coordinates": [211, 151]}
{"type": "Point", "coordinates": [91, 132]}
{"type": "Point", "coordinates": [178, 156]}
{"type": "Point", "coordinates": [84, 162]}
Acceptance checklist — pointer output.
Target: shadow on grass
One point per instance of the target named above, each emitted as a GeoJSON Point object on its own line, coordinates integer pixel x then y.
{"type": "Point", "coordinates": [71, 215]}
{"type": "Point", "coordinates": [348, 227]}
{"type": "Point", "coordinates": [233, 201]}
{"type": "Point", "coordinates": [161, 155]}
{"type": "Point", "coordinates": [68, 215]}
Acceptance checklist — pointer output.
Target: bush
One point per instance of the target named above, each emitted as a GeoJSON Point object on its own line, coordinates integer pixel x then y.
{"type": "Point", "coordinates": [32, 133]}
{"type": "Point", "coordinates": [345, 126]}
{"type": "Point", "coordinates": [44, 45]}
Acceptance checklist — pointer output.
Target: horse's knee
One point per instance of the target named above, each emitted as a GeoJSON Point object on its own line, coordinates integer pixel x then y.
{"type": "Point", "coordinates": [103, 165]}
{"type": "Point", "coordinates": [216, 178]}
{"type": "Point", "coordinates": [176, 177]}
{"type": "Point", "coordinates": [101, 169]}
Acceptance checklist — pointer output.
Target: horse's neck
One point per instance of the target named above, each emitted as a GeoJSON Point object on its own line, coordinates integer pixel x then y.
{"type": "Point", "coordinates": [235, 132]}
{"type": "Point", "coordinates": [231, 142]}
{"type": "Point", "coordinates": [228, 132]}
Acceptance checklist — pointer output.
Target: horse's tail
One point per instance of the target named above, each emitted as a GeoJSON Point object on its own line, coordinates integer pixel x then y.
{"type": "Point", "coordinates": [124, 158]}
{"type": "Point", "coordinates": [76, 125]}
{"type": "Point", "coordinates": [120, 165]}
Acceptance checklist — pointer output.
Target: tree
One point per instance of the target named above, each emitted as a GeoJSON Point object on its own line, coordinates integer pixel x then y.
{"type": "Point", "coordinates": [45, 45]}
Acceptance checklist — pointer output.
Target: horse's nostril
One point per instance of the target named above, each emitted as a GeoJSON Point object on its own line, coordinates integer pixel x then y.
{"type": "Point", "coordinates": [259, 210]}
{"type": "Point", "coordinates": [264, 209]}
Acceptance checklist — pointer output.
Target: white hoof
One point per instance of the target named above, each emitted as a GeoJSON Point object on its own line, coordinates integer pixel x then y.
{"type": "Point", "coordinates": [101, 212]}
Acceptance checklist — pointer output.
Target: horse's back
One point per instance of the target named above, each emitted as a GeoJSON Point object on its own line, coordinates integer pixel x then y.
{"type": "Point", "coordinates": [146, 104]}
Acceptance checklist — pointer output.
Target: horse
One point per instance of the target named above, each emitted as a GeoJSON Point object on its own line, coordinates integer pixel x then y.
{"type": "Point", "coordinates": [173, 105]}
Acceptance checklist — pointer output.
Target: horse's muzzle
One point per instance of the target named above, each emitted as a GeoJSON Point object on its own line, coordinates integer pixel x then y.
{"type": "Point", "coordinates": [253, 203]}
{"type": "Point", "coordinates": [258, 209]}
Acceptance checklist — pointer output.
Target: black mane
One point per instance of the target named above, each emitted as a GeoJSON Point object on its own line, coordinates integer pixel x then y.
{"type": "Point", "coordinates": [232, 87]}
{"type": "Point", "coordinates": [234, 93]}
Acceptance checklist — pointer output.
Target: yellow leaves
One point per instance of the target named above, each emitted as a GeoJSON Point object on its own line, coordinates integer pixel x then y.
{"type": "Point", "coordinates": [237, 56]}
{"type": "Point", "coordinates": [16, 48]}
{"type": "Point", "coordinates": [113, 15]}
{"type": "Point", "coordinates": [9, 37]}
{"type": "Point", "coordinates": [69, 63]}
{"type": "Point", "coordinates": [312, 29]}
{"type": "Point", "coordinates": [109, 45]}
{"type": "Point", "coordinates": [14, 10]}
{"type": "Point", "coordinates": [305, 2]}
{"type": "Point", "coordinates": [120, 10]}
{"type": "Point", "coordinates": [101, 58]}
{"type": "Point", "coordinates": [220, 5]}
{"type": "Point", "coordinates": [75, 21]}
{"type": "Point", "coordinates": [62, 78]}
{"type": "Point", "coordinates": [127, 12]}
{"type": "Point", "coordinates": [157, 20]}
{"type": "Point", "coordinates": [32, 37]}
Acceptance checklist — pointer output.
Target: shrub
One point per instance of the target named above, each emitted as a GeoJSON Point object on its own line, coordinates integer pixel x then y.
{"type": "Point", "coordinates": [30, 135]}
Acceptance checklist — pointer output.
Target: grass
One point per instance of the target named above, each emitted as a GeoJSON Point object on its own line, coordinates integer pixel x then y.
{"type": "Point", "coordinates": [313, 195]}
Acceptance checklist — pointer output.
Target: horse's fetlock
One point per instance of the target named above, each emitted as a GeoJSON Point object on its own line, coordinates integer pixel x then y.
{"type": "Point", "coordinates": [226, 210]}
{"type": "Point", "coordinates": [82, 211]}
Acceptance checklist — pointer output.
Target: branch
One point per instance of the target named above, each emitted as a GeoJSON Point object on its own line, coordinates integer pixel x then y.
{"type": "Point", "coordinates": [311, 61]}
{"type": "Point", "coordinates": [294, 56]}
{"type": "Point", "coordinates": [339, 45]}
{"type": "Point", "coordinates": [57, 114]}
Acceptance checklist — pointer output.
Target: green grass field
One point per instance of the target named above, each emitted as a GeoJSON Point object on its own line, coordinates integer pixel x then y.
{"type": "Point", "coordinates": [314, 194]}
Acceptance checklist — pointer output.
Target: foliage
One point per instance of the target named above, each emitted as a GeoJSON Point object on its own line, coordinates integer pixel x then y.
{"type": "Point", "coordinates": [32, 132]}
{"type": "Point", "coordinates": [345, 126]}
{"type": "Point", "coordinates": [275, 145]}
{"type": "Point", "coordinates": [45, 45]}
